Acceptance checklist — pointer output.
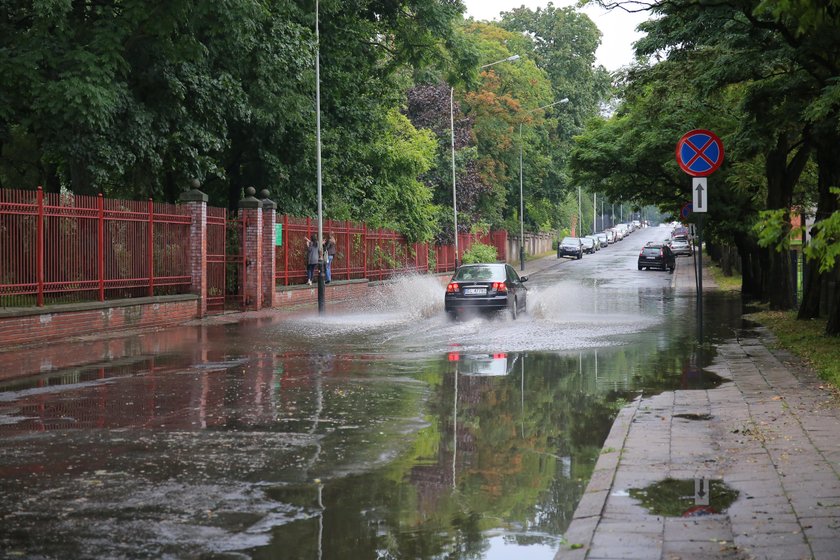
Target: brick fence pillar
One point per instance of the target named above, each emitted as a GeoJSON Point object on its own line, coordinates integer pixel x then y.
{"type": "Point", "coordinates": [250, 210]}
{"type": "Point", "coordinates": [269, 260]}
{"type": "Point", "coordinates": [196, 201]}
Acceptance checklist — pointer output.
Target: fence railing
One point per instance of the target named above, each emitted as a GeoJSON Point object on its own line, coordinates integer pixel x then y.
{"type": "Point", "coordinates": [65, 248]}
{"type": "Point", "coordinates": [363, 252]}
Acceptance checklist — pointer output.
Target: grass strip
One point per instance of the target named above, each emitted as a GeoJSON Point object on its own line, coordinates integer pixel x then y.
{"type": "Point", "coordinates": [806, 339]}
{"type": "Point", "coordinates": [725, 283]}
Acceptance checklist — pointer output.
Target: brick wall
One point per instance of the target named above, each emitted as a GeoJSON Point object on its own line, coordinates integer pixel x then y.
{"type": "Point", "coordinates": [50, 324]}
{"type": "Point", "coordinates": [300, 295]}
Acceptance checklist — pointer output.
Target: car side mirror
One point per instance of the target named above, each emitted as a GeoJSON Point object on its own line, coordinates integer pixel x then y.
{"type": "Point", "coordinates": [523, 278]}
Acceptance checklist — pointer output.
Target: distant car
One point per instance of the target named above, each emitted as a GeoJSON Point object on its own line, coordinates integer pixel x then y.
{"type": "Point", "coordinates": [680, 232]}
{"type": "Point", "coordinates": [603, 238]}
{"type": "Point", "coordinates": [588, 244]}
{"type": "Point", "coordinates": [595, 239]}
{"type": "Point", "coordinates": [657, 255]}
{"type": "Point", "coordinates": [570, 247]}
{"type": "Point", "coordinates": [680, 246]}
{"type": "Point", "coordinates": [487, 287]}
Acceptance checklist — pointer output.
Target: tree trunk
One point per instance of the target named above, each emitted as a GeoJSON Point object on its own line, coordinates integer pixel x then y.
{"type": "Point", "coordinates": [832, 327]}
{"type": "Point", "coordinates": [829, 175]}
{"type": "Point", "coordinates": [781, 179]}
{"type": "Point", "coordinates": [751, 270]}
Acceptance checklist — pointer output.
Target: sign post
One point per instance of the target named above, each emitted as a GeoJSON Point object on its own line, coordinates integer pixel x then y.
{"type": "Point", "coordinates": [699, 154]}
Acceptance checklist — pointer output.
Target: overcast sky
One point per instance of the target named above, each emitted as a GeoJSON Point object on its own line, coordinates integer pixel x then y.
{"type": "Point", "coordinates": [617, 27]}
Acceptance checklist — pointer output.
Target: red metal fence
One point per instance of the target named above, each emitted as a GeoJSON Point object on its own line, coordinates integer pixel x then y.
{"type": "Point", "coordinates": [65, 248]}
{"type": "Point", "coordinates": [60, 248]}
{"type": "Point", "coordinates": [364, 252]}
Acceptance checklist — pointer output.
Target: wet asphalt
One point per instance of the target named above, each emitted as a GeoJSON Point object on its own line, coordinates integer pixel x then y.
{"type": "Point", "coordinates": [771, 435]}
{"type": "Point", "coordinates": [380, 430]}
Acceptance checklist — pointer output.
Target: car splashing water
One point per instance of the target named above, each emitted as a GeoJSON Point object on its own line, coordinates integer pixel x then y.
{"type": "Point", "coordinates": [406, 314]}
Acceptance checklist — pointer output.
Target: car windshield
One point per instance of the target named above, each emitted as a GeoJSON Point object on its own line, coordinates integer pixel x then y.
{"type": "Point", "coordinates": [569, 241]}
{"type": "Point", "coordinates": [679, 242]}
{"type": "Point", "coordinates": [653, 250]}
{"type": "Point", "coordinates": [480, 272]}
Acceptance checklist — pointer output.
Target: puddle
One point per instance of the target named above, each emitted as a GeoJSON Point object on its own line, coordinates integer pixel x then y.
{"type": "Point", "coordinates": [694, 416]}
{"type": "Point", "coordinates": [685, 497]}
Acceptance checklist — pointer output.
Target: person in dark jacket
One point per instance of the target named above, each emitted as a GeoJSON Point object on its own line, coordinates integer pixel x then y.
{"type": "Point", "coordinates": [329, 254]}
{"type": "Point", "coordinates": [311, 258]}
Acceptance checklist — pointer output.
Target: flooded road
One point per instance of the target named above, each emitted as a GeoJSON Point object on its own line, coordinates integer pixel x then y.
{"type": "Point", "coordinates": [378, 431]}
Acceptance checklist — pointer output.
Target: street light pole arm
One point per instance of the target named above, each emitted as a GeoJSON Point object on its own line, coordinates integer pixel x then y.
{"type": "Point", "coordinates": [508, 59]}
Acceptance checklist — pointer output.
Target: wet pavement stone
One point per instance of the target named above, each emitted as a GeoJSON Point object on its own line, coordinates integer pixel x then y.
{"type": "Point", "coordinates": [772, 434]}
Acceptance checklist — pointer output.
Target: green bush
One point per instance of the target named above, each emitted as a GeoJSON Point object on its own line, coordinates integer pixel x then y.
{"type": "Point", "coordinates": [480, 253]}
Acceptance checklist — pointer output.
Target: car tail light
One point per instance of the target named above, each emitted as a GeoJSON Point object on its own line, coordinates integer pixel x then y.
{"type": "Point", "coordinates": [499, 356]}
{"type": "Point", "coordinates": [454, 357]}
{"type": "Point", "coordinates": [660, 253]}
{"type": "Point", "coordinates": [499, 286]}
{"type": "Point", "coordinates": [452, 288]}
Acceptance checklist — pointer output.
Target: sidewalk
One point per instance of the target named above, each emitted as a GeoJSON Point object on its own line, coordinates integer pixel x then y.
{"type": "Point", "coordinates": [772, 434]}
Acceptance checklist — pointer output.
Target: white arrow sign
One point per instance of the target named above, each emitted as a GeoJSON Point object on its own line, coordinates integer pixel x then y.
{"type": "Point", "coordinates": [699, 192]}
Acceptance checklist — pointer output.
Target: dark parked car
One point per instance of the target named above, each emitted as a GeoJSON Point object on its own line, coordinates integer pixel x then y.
{"type": "Point", "coordinates": [485, 288]}
{"type": "Point", "coordinates": [570, 247]}
{"type": "Point", "coordinates": [657, 255]}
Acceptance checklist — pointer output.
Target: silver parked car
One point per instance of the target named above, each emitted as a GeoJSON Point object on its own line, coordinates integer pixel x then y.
{"type": "Point", "coordinates": [588, 245]}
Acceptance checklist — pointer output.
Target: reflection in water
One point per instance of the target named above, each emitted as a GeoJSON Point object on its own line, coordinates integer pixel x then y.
{"type": "Point", "coordinates": [405, 437]}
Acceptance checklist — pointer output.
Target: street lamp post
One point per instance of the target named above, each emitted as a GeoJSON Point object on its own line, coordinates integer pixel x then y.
{"type": "Point", "coordinates": [452, 145]}
{"type": "Point", "coordinates": [521, 197]}
{"type": "Point", "coordinates": [321, 269]}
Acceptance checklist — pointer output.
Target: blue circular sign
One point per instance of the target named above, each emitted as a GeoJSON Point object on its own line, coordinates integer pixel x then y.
{"type": "Point", "coordinates": [699, 153]}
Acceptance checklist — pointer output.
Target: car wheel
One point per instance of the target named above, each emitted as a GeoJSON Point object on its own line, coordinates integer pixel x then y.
{"type": "Point", "coordinates": [640, 267]}
{"type": "Point", "coordinates": [451, 315]}
{"type": "Point", "coordinates": [514, 312]}
{"type": "Point", "coordinates": [580, 255]}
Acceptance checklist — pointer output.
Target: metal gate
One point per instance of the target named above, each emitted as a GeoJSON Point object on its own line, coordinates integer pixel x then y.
{"type": "Point", "coordinates": [225, 260]}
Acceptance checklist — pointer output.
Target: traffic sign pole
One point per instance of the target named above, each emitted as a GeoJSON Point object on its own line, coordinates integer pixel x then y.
{"type": "Point", "coordinates": [699, 153]}
{"type": "Point", "coordinates": [700, 278]}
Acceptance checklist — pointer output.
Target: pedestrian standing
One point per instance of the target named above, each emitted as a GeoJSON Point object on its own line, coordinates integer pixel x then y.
{"type": "Point", "coordinates": [329, 253]}
{"type": "Point", "coordinates": [311, 258]}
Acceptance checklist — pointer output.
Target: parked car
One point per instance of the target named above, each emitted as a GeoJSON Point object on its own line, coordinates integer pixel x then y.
{"type": "Point", "coordinates": [657, 255]}
{"type": "Point", "coordinates": [680, 246]}
{"type": "Point", "coordinates": [485, 287]}
{"type": "Point", "coordinates": [588, 244]}
{"type": "Point", "coordinates": [680, 232]}
{"type": "Point", "coordinates": [570, 247]}
{"type": "Point", "coordinates": [596, 241]}
{"type": "Point", "coordinates": [603, 238]}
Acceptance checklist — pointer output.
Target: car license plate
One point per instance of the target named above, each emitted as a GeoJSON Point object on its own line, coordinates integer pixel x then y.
{"type": "Point", "coordinates": [651, 258]}
{"type": "Point", "coordinates": [475, 291]}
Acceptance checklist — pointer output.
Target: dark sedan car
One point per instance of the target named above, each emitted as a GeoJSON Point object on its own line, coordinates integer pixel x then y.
{"type": "Point", "coordinates": [485, 288]}
{"type": "Point", "coordinates": [657, 255]}
{"type": "Point", "coordinates": [570, 247]}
